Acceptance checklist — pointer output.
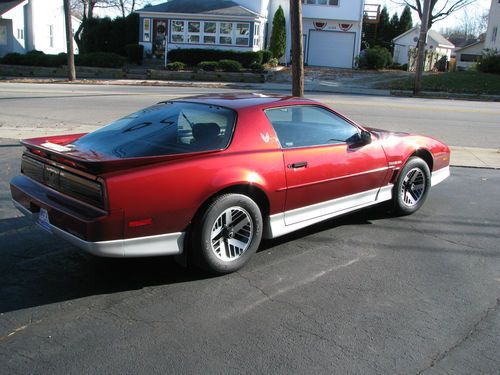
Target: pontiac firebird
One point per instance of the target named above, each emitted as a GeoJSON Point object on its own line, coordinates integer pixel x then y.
{"type": "Point", "coordinates": [209, 176]}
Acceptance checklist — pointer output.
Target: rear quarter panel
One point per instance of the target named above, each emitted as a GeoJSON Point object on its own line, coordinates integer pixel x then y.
{"type": "Point", "coordinates": [171, 193]}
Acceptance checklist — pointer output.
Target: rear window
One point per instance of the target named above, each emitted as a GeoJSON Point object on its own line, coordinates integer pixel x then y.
{"type": "Point", "coordinates": [163, 129]}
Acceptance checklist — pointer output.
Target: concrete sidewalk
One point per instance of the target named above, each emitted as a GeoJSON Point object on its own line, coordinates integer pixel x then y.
{"type": "Point", "coordinates": [475, 157]}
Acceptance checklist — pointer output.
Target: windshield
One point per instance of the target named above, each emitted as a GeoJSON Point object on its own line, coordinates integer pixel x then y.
{"type": "Point", "coordinates": [163, 129]}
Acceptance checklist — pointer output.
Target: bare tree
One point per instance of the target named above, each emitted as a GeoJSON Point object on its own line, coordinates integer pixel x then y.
{"type": "Point", "coordinates": [69, 41]}
{"type": "Point", "coordinates": [439, 9]}
{"type": "Point", "coordinates": [125, 7]}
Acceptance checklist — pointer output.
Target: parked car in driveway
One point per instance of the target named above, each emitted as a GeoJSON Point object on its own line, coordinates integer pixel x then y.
{"type": "Point", "coordinates": [210, 176]}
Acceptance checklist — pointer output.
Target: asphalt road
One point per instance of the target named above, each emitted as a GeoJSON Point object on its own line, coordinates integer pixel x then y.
{"type": "Point", "coordinates": [27, 109]}
{"type": "Point", "coordinates": [365, 293]}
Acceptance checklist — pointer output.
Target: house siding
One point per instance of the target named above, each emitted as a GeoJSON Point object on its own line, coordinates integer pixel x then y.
{"type": "Point", "coordinates": [347, 12]}
{"type": "Point", "coordinates": [492, 40]}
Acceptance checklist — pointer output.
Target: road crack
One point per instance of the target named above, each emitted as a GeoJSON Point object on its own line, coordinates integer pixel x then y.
{"type": "Point", "coordinates": [440, 356]}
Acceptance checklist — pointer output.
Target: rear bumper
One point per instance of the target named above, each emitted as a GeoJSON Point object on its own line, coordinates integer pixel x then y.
{"type": "Point", "coordinates": [92, 230]}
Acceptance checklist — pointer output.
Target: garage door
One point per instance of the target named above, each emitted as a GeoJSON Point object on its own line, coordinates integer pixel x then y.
{"type": "Point", "coordinates": [329, 48]}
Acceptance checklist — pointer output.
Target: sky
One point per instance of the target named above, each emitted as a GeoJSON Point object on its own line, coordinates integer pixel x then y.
{"type": "Point", "coordinates": [478, 7]}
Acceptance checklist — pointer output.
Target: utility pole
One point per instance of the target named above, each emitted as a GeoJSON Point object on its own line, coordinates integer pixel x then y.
{"type": "Point", "coordinates": [297, 53]}
{"type": "Point", "coordinates": [69, 41]}
{"type": "Point", "coordinates": [421, 47]}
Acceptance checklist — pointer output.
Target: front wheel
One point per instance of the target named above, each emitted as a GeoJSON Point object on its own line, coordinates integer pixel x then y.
{"type": "Point", "coordinates": [227, 234]}
{"type": "Point", "coordinates": [412, 187]}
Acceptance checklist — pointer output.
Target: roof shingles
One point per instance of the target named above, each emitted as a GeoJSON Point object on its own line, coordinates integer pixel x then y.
{"type": "Point", "coordinates": [211, 7]}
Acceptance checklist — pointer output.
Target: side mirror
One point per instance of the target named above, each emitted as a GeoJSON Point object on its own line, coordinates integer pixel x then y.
{"type": "Point", "coordinates": [360, 139]}
{"type": "Point", "coordinates": [366, 137]}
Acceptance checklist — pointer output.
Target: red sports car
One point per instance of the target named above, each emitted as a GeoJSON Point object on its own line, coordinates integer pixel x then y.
{"type": "Point", "coordinates": [209, 176]}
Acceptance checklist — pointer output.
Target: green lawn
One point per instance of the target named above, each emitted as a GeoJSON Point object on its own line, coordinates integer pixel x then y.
{"type": "Point", "coordinates": [468, 82]}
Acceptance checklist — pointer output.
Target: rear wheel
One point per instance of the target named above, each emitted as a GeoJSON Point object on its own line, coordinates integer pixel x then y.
{"type": "Point", "coordinates": [412, 187]}
{"type": "Point", "coordinates": [227, 233]}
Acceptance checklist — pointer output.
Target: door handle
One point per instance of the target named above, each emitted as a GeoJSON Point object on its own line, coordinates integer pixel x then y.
{"type": "Point", "coordinates": [301, 164]}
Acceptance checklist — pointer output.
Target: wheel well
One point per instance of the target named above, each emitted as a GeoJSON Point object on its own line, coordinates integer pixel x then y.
{"type": "Point", "coordinates": [251, 191]}
{"type": "Point", "coordinates": [425, 156]}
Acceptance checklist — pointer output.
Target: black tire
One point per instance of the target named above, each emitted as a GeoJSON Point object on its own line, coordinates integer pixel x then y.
{"type": "Point", "coordinates": [412, 187]}
{"type": "Point", "coordinates": [226, 234]}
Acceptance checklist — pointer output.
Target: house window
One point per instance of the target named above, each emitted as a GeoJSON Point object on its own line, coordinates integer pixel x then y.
{"type": "Point", "coordinates": [494, 34]}
{"type": "Point", "coordinates": [209, 32]}
{"type": "Point", "coordinates": [51, 35]}
{"type": "Point", "coordinates": [226, 33]}
{"type": "Point", "coordinates": [146, 30]}
{"type": "Point", "coordinates": [321, 2]}
{"type": "Point", "coordinates": [242, 34]}
{"type": "Point", "coordinates": [256, 34]}
{"type": "Point", "coordinates": [467, 57]}
{"type": "Point", "coordinates": [177, 31]}
{"type": "Point", "coordinates": [194, 32]}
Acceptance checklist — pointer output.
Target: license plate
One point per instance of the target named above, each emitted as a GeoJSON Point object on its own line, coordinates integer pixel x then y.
{"type": "Point", "coordinates": [43, 220]}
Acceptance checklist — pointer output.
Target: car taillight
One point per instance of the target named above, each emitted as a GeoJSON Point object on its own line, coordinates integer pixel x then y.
{"type": "Point", "coordinates": [86, 190]}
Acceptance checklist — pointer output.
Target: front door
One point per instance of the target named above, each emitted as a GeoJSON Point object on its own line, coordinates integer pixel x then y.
{"type": "Point", "coordinates": [159, 37]}
{"type": "Point", "coordinates": [325, 173]}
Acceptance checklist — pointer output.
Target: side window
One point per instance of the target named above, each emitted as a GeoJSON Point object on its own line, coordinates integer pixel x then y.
{"type": "Point", "coordinates": [302, 126]}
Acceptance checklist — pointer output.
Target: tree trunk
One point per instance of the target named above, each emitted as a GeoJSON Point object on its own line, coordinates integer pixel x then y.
{"type": "Point", "coordinates": [421, 47]}
{"type": "Point", "coordinates": [69, 42]}
{"type": "Point", "coordinates": [297, 53]}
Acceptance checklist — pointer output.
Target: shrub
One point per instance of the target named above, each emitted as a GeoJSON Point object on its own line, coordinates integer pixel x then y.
{"type": "Point", "coordinates": [266, 56]}
{"type": "Point", "coordinates": [257, 68]}
{"type": "Point", "coordinates": [442, 64]}
{"type": "Point", "coordinates": [100, 59]}
{"type": "Point", "coordinates": [208, 66]}
{"type": "Point", "coordinates": [273, 62]}
{"type": "Point", "coordinates": [34, 58]}
{"type": "Point", "coordinates": [375, 58]}
{"type": "Point", "coordinates": [277, 43]}
{"type": "Point", "coordinates": [12, 58]}
{"type": "Point", "coordinates": [230, 65]}
{"type": "Point", "coordinates": [193, 56]}
{"type": "Point", "coordinates": [176, 66]}
{"type": "Point", "coordinates": [106, 35]}
{"type": "Point", "coordinates": [489, 62]}
{"type": "Point", "coordinates": [135, 53]}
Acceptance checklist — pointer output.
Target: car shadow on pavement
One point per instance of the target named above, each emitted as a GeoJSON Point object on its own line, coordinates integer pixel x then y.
{"type": "Point", "coordinates": [39, 269]}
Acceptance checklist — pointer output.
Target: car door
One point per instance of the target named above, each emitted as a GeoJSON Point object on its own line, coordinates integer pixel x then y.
{"type": "Point", "coordinates": [325, 171]}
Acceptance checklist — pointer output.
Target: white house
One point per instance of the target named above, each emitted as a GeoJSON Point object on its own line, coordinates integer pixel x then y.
{"type": "Point", "coordinates": [492, 40]}
{"type": "Point", "coordinates": [26, 25]}
{"type": "Point", "coordinates": [408, 40]}
{"type": "Point", "coordinates": [331, 28]}
{"type": "Point", "coordinates": [468, 55]}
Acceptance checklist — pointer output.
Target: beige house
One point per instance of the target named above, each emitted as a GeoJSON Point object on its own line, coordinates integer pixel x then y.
{"type": "Point", "coordinates": [405, 42]}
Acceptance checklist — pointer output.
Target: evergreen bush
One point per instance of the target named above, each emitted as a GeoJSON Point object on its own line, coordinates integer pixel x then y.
{"type": "Point", "coordinates": [375, 58]}
{"type": "Point", "coordinates": [176, 66]}
{"type": "Point", "coordinates": [208, 66]}
{"type": "Point", "coordinates": [489, 62]}
{"type": "Point", "coordinates": [229, 65]}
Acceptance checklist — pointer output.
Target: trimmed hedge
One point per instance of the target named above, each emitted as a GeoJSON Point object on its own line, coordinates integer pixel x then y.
{"type": "Point", "coordinates": [194, 56]}
{"type": "Point", "coordinates": [38, 58]}
{"type": "Point", "coordinates": [208, 66]}
{"type": "Point", "coordinates": [257, 68]}
{"type": "Point", "coordinates": [135, 53]}
{"type": "Point", "coordinates": [34, 58]}
{"type": "Point", "coordinates": [176, 65]}
{"type": "Point", "coordinates": [229, 65]}
{"type": "Point", "coordinates": [375, 58]}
